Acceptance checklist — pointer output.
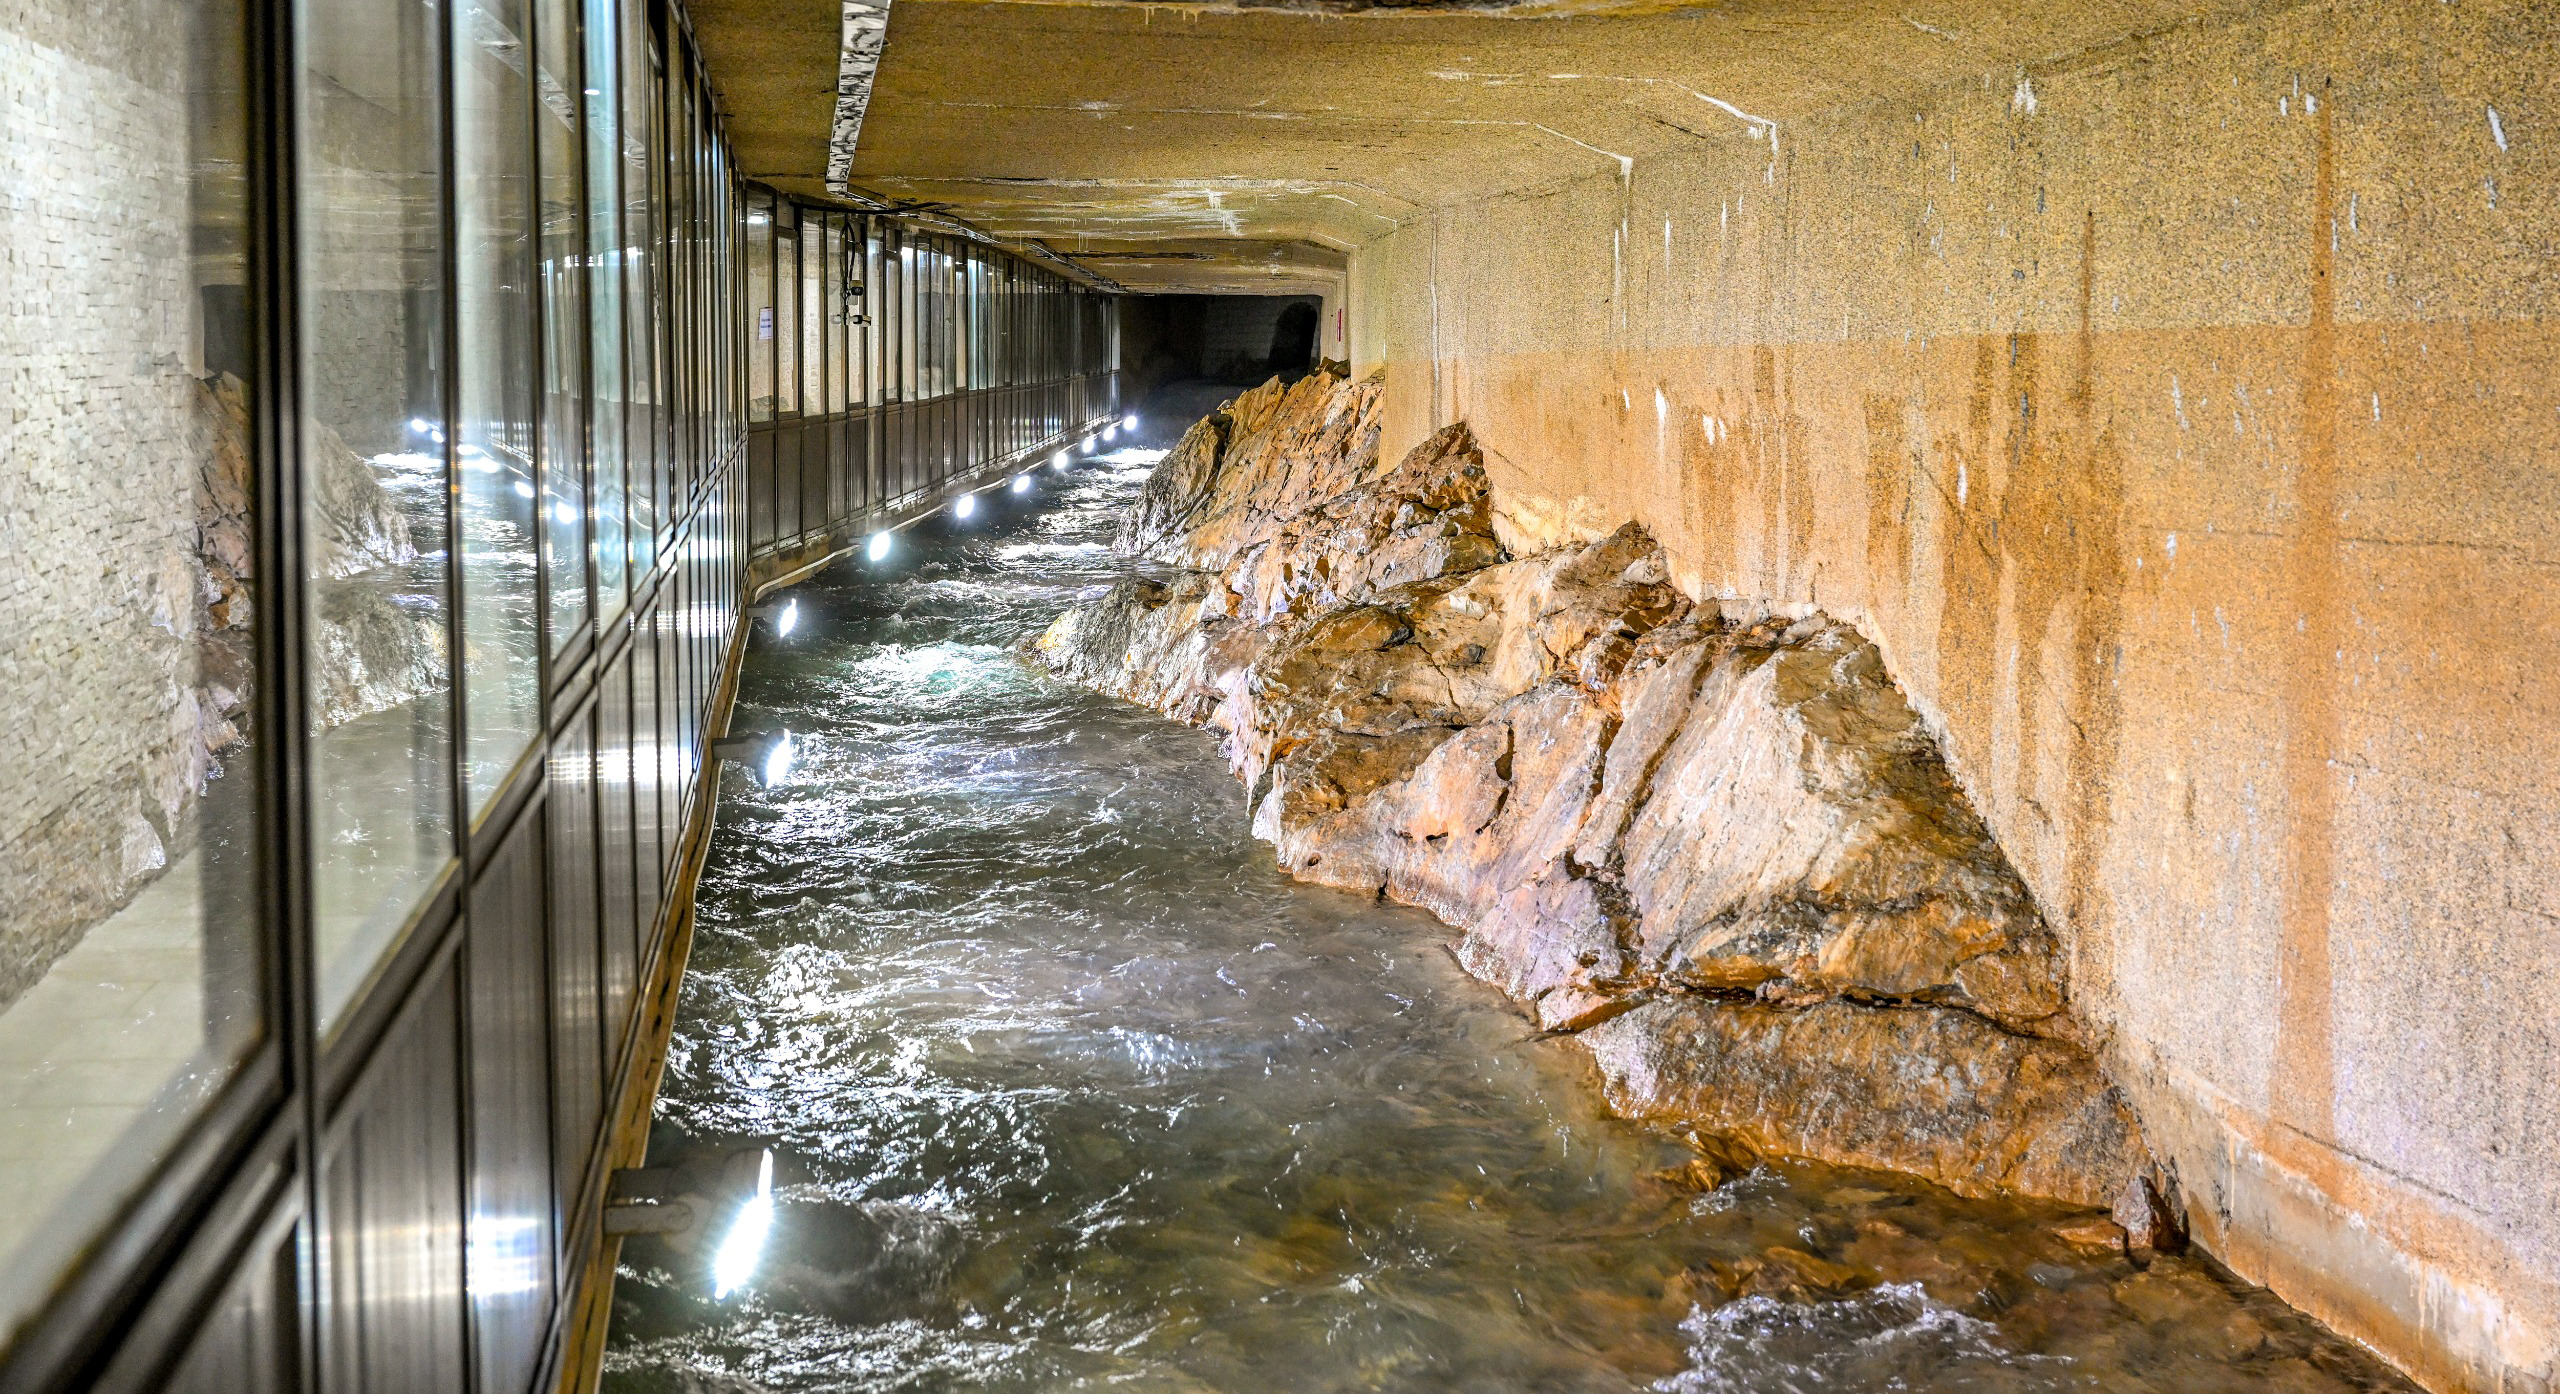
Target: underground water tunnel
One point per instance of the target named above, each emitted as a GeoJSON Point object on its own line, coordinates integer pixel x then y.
{"type": "Point", "coordinates": [773, 696]}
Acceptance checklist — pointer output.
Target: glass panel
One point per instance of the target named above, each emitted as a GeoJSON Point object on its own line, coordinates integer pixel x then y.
{"type": "Point", "coordinates": [906, 321]}
{"type": "Point", "coordinates": [760, 305]}
{"type": "Point", "coordinates": [564, 318]}
{"type": "Point", "coordinates": [604, 305]}
{"type": "Point", "coordinates": [374, 463]}
{"type": "Point", "coordinates": [647, 481]}
{"type": "Point", "coordinates": [813, 322]}
{"type": "Point", "coordinates": [130, 966]}
{"type": "Point", "coordinates": [874, 301]}
{"type": "Point", "coordinates": [493, 425]}
{"type": "Point", "coordinates": [836, 303]}
{"type": "Point", "coordinates": [786, 314]}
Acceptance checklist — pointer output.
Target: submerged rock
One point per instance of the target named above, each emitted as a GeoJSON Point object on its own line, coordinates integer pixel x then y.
{"type": "Point", "coordinates": [1714, 844]}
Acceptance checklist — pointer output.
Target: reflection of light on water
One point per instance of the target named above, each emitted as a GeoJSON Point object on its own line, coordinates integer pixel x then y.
{"type": "Point", "coordinates": [1133, 457]}
{"type": "Point", "coordinates": [744, 1243]}
{"type": "Point", "coordinates": [506, 1255]}
{"type": "Point", "coordinates": [777, 761]}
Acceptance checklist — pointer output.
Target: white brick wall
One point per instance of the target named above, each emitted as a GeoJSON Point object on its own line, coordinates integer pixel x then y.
{"type": "Point", "coordinates": [101, 439]}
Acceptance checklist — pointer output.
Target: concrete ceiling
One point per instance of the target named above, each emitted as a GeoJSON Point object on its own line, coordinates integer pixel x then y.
{"type": "Point", "coordinates": [1196, 147]}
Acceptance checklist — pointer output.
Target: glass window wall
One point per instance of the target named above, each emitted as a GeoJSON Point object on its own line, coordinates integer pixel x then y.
{"type": "Point", "coordinates": [493, 420]}
{"type": "Point", "coordinates": [813, 320]}
{"type": "Point", "coordinates": [837, 313]}
{"type": "Point", "coordinates": [760, 307]}
{"type": "Point", "coordinates": [131, 967]}
{"type": "Point", "coordinates": [564, 317]}
{"type": "Point", "coordinates": [376, 470]}
{"type": "Point", "coordinates": [647, 460]}
{"type": "Point", "coordinates": [606, 444]}
{"type": "Point", "coordinates": [786, 312]}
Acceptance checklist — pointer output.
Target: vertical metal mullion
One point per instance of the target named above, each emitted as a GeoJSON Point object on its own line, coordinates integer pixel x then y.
{"type": "Point", "coordinates": [274, 117]}
{"type": "Point", "coordinates": [457, 744]}
{"type": "Point", "coordinates": [581, 245]}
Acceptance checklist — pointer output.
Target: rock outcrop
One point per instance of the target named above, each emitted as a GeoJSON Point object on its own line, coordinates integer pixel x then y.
{"type": "Point", "coordinates": [1712, 844]}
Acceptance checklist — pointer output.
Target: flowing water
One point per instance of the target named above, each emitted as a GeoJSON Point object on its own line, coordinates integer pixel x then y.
{"type": "Point", "coordinates": [1071, 1088]}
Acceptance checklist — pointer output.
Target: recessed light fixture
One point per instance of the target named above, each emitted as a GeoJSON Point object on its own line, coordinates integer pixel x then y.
{"type": "Point", "coordinates": [966, 507]}
{"type": "Point", "coordinates": [879, 548]}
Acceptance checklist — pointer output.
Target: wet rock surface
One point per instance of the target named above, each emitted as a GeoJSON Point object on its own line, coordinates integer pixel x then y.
{"type": "Point", "coordinates": [1717, 841]}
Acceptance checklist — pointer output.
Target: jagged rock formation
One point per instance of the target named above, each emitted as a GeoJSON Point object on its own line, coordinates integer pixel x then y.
{"type": "Point", "coordinates": [1715, 845]}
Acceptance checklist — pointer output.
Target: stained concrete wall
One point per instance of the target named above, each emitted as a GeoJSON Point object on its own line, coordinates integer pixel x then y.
{"type": "Point", "coordinates": [103, 435]}
{"type": "Point", "coordinates": [2182, 420]}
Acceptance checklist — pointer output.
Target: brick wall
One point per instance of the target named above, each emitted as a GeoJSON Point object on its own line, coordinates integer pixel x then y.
{"type": "Point", "coordinates": [102, 441]}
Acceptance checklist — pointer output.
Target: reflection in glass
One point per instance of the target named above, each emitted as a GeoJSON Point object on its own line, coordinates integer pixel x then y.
{"type": "Point", "coordinates": [374, 455]}
{"type": "Point", "coordinates": [604, 303]}
{"type": "Point", "coordinates": [130, 973]}
{"type": "Point", "coordinates": [564, 317]}
{"type": "Point", "coordinates": [493, 427]}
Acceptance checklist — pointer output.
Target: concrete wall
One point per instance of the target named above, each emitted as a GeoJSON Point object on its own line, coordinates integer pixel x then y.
{"type": "Point", "coordinates": [2183, 420]}
{"type": "Point", "coordinates": [103, 438]}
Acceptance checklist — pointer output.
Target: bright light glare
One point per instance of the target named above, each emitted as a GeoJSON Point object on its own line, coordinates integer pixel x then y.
{"type": "Point", "coordinates": [506, 1254]}
{"type": "Point", "coordinates": [788, 620]}
{"type": "Point", "coordinates": [743, 1245]}
{"type": "Point", "coordinates": [523, 489]}
{"type": "Point", "coordinates": [419, 425]}
{"type": "Point", "coordinates": [1130, 421]}
{"type": "Point", "coordinates": [777, 761]}
{"type": "Point", "coordinates": [879, 548]}
{"type": "Point", "coordinates": [566, 513]}
{"type": "Point", "coordinates": [1059, 459]}
{"type": "Point", "coordinates": [967, 505]}
{"type": "Point", "coordinates": [1111, 432]}
{"type": "Point", "coordinates": [1022, 483]}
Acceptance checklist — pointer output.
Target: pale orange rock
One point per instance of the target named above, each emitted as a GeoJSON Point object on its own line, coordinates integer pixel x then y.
{"type": "Point", "coordinates": [1713, 844]}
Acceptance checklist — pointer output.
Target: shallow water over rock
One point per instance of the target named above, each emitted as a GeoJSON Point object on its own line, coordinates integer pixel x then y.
{"type": "Point", "coordinates": [1072, 1087]}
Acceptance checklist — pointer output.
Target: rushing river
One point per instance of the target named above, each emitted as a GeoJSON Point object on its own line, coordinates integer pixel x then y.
{"type": "Point", "coordinates": [1072, 1089]}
